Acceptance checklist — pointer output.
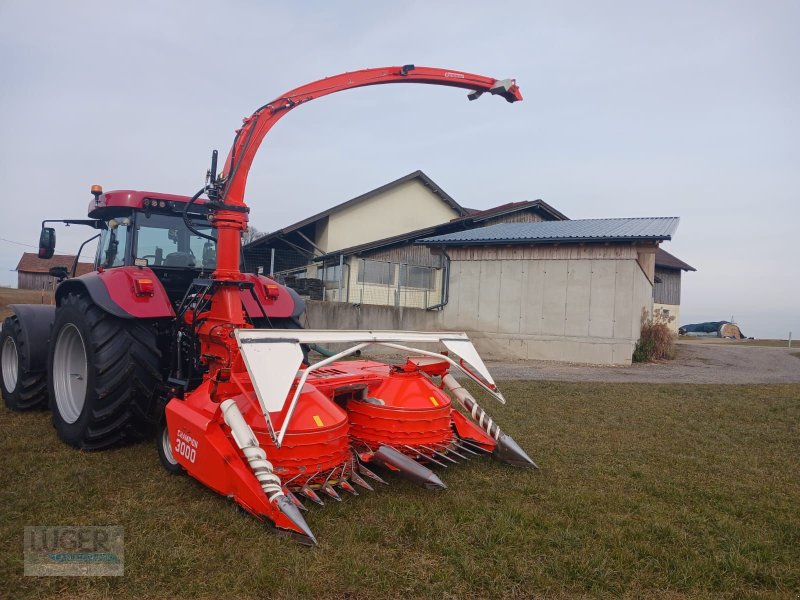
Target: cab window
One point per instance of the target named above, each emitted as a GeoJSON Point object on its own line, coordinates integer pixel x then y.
{"type": "Point", "coordinates": [113, 240]}
{"type": "Point", "coordinates": [165, 241]}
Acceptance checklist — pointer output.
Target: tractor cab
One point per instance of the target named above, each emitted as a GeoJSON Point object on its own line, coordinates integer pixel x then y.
{"type": "Point", "coordinates": [143, 229]}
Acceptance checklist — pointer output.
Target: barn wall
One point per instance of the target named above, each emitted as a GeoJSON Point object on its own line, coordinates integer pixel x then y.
{"type": "Point", "coordinates": [517, 217]}
{"type": "Point", "coordinates": [406, 207]}
{"type": "Point", "coordinates": [668, 290]}
{"type": "Point", "coordinates": [670, 312]}
{"type": "Point", "coordinates": [568, 309]}
{"type": "Point", "coordinates": [409, 254]}
{"type": "Point", "coordinates": [35, 281]}
{"type": "Point", "coordinates": [565, 303]}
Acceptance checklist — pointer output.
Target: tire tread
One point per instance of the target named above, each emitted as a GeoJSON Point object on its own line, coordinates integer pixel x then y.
{"type": "Point", "coordinates": [32, 385]}
{"type": "Point", "coordinates": [126, 362]}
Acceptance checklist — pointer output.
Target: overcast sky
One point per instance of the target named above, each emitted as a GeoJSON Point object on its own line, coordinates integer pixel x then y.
{"type": "Point", "coordinates": [685, 109]}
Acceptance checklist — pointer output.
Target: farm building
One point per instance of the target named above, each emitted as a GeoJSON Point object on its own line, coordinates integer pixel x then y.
{"type": "Point", "coordinates": [521, 278]}
{"type": "Point", "coordinates": [667, 286]}
{"type": "Point", "coordinates": [33, 272]}
{"type": "Point", "coordinates": [407, 204]}
{"type": "Point", "coordinates": [565, 290]}
{"type": "Point", "coordinates": [396, 271]}
{"type": "Point", "coordinates": [362, 251]}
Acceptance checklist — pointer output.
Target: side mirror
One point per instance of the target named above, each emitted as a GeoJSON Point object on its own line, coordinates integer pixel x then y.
{"type": "Point", "coordinates": [47, 242]}
{"type": "Point", "coordinates": [59, 273]}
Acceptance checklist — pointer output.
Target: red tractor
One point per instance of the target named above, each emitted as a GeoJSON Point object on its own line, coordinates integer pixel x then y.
{"type": "Point", "coordinates": [168, 336]}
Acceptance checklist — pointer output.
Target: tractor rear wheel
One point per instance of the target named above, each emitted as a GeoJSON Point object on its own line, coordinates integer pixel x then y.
{"type": "Point", "coordinates": [102, 376]}
{"type": "Point", "coordinates": [21, 388]}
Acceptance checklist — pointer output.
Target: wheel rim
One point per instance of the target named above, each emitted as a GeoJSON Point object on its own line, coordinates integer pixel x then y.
{"type": "Point", "coordinates": [69, 373]}
{"type": "Point", "coordinates": [9, 359]}
{"type": "Point", "coordinates": [166, 445]}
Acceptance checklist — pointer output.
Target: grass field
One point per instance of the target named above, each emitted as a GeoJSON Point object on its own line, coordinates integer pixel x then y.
{"type": "Point", "coordinates": [663, 491]}
{"type": "Point", "coordinates": [15, 296]}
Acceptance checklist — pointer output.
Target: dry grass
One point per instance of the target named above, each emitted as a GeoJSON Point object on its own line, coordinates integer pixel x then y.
{"type": "Point", "coordinates": [662, 491]}
{"type": "Point", "coordinates": [656, 339]}
{"type": "Point", "coordinates": [15, 296]}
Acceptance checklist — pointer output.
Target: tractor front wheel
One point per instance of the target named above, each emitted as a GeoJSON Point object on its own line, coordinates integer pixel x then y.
{"type": "Point", "coordinates": [164, 445]}
{"type": "Point", "coordinates": [22, 389]}
{"type": "Point", "coordinates": [102, 376]}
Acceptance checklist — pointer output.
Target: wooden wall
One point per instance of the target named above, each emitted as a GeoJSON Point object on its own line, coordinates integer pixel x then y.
{"type": "Point", "coordinates": [408, 254]}
{"type": "Point", "coordinates": [549, 252]}
{"type": "Point", "coordinates": [668, 290]}
{"type": "Point", "coordinates": [518, 217]}
{"type": "Point", "coordinates": [35, 281]}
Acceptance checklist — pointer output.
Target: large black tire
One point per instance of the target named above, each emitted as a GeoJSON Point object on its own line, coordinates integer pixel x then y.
{"type": "Point", "coordinates": [22, 389]}
{"type": "Point", "coordinates": [102, 376]}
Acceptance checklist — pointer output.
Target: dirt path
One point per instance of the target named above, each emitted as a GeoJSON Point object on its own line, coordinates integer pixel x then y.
{"type": "Point", "coordinates": [695, 363]}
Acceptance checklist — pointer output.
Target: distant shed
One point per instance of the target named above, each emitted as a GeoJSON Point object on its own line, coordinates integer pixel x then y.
{"type": "Point", "coordinates": [33, 272]}
{"type": "Point", "coordinates": [667, 286]}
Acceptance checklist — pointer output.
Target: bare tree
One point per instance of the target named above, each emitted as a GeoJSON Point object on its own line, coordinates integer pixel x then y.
{"type": "Point", "coordinates": [251, 234]}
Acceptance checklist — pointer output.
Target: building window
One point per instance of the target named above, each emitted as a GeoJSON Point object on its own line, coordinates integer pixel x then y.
{"type": "Point", "coordinates": [376, 272]}
{"type": "Point", "coordinates": [416, 277]}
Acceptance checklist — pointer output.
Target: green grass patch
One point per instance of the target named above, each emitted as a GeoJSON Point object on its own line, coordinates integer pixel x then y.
{"type": "Point", "coordinates": [666, 491]}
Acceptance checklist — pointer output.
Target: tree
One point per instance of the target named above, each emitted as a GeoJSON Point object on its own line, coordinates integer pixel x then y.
{"type": "Point", "coordinates": [251, 234]}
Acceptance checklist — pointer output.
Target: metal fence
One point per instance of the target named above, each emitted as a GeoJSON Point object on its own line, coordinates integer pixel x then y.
{"type": "Point", "coordinates": [354, 280]}
{"type": "Point", "coordinates": [365, 281]}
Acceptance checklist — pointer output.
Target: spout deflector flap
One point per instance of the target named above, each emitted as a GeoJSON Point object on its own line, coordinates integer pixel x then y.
{"type": "Point", "coordinates": [273, 356]}
{"type": "Point", "coordinates": [272, 368]}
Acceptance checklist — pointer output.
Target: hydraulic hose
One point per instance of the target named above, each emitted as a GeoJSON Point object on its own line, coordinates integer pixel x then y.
{"type": "Point", "coordinates": [188, 223]}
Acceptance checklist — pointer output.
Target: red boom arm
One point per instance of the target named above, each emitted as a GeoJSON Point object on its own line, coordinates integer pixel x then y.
{"type": "Point", "coordinates": [250, 136]}
{"type": "Point", "coordinates": [229, 216]}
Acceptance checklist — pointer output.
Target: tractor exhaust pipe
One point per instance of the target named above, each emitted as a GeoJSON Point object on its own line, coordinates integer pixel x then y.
{"type": "Point", "coordinates": [506, 450]}
{"type": "Point", "coordinates": [257, 459]}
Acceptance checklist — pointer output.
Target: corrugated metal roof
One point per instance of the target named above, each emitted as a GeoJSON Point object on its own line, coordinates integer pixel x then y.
{"type": "Point", "coordinates": [579, 230]}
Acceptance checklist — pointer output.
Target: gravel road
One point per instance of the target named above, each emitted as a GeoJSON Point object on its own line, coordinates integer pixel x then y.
{"type": "Point", "coordinates": [695, 363]}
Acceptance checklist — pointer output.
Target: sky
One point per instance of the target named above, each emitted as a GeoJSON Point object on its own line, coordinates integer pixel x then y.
{"type": "Point", "coordinates": [684, 108]}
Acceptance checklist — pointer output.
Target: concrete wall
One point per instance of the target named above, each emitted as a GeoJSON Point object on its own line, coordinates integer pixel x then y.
{"type": "Point", "coordinates": [335, 315]}
{"type": "Point", "coordinates": [406, 207]}
{"type": "Point", "coordinates": [575, 310]}
{"type": "Point", "coordinates": [671, 311]}
{"type": "Point", "coordinates": [584, 310]}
